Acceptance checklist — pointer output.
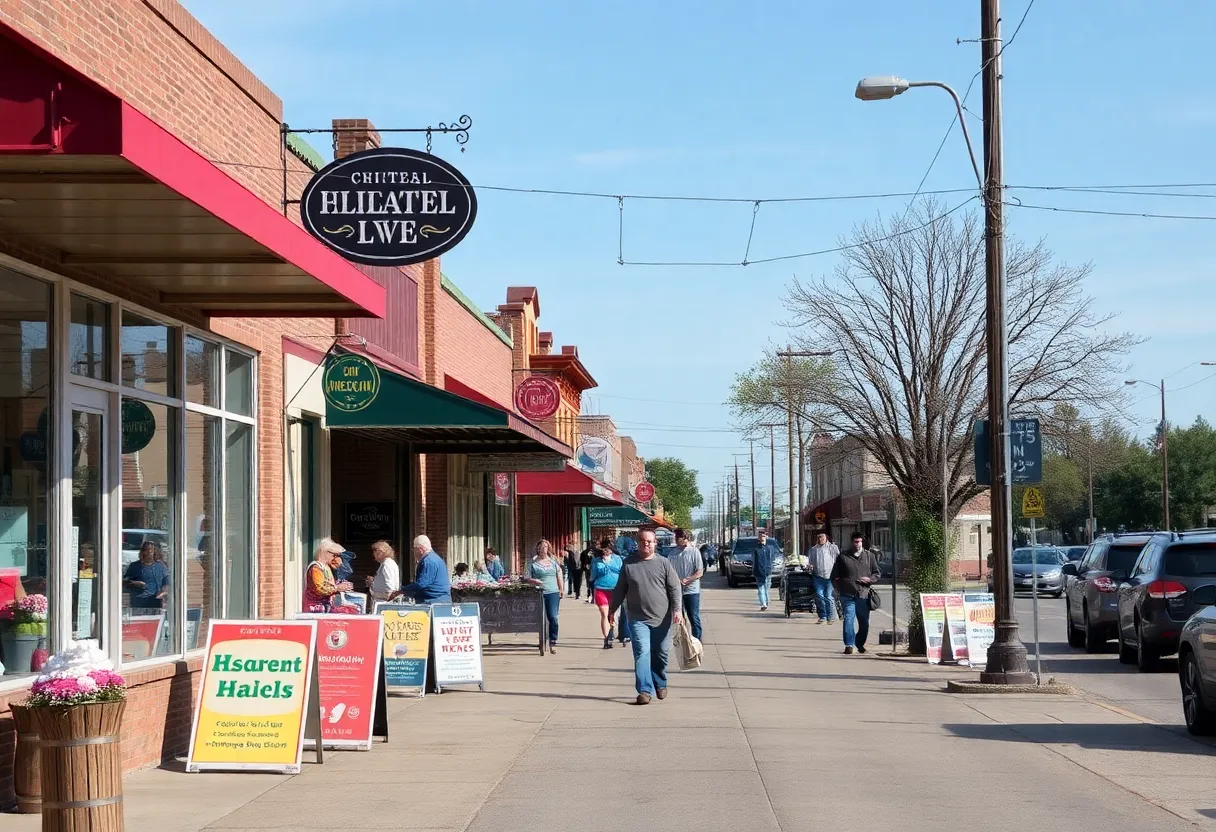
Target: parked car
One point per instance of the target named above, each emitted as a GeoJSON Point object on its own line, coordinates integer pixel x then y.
{"type": "Point", "coordinates": [1073, 554]}
{"type": "Point", "coordinates": [1197, 663]}
{"type": "Point", "coordinates": [1091, 608]}
{"type": "Point", "coordinates": [1046, 563]}
{"type": "Point", "coordinates": [1156, 599]}
{"type": "Point", "coordinates": [739, 567]}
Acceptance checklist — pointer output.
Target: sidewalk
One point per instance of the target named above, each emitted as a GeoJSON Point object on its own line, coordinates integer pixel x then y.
{"type": "Point", "coordinates": [777, 731]}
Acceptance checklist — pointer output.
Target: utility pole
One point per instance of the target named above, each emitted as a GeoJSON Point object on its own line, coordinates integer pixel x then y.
{"type": "Point", "coordinates": [1090, 523]}
{"type": "Point", "coordinates": [1007, 660]}
{"type": "Point", "coordinates": [772, 499]}
{"type": "Point", "coordinates": [751, 456]}
{"type": "Point", "coordinates": [1165, 463]}
{"type": "Point", "coordinates": [738, 519]}
{"type": "Point", "coordinates": [795, 491]}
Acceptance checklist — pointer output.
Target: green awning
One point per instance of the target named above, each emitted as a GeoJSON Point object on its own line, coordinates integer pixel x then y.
{"type": "Point", "coordinates": [620, 517]}
{"type": "Point", "coordinates": [366, 399]}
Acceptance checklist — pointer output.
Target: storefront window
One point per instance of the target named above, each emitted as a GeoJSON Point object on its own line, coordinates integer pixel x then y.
{"type": "Point", "coordinates": [25, 445]}
{"type": "Point", "coordinates": [149, 556]}
{"type": "Point", "coordinates": [202, 372]}
{"type": "Point", "coordinates": [239, 389]}
{"type": "Point", "coordinates": [204, 599]}
{"type": "Point", "coordinates": [239, 519]}
{"type": "Point", "coordinates": [88, 338]}
{"type": "Point", "coordinates": [148, 355]}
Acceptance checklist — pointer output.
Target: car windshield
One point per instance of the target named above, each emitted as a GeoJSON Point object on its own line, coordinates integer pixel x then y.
{"type": "Point", "coordinates": [1040, 556]}
{"type": "Point", "coordinates": [1191, 560]}
{"type": "Point", "coordinates": [745, 544]}
{"type": "Point", "coordinates": [1075, 552]}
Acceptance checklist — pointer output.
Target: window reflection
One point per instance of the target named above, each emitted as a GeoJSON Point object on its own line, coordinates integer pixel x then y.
{"type": "Point", "coordinates": [88, 338]}
{"type": "Point", "coordinates": [25, 437]}
{"type": "Point", "coordinates": [202, 372]}
{"type": "Point", "coordinates": [204, 599]}
{"type": "Point", "coordinates": [239, 521]}
{"type": "Point", "coordinates": [148, 355]}
{"type": "Point", "coordinates": [239, 382]}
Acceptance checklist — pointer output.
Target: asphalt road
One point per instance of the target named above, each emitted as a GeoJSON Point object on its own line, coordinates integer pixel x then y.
{"type": "Point", "coordinates": [1152, 696]}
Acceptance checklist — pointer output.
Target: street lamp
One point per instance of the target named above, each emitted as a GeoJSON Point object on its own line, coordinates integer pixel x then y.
{"type": "Point", "coordinates": [1165, 454]}
{"type": "Point", "coordinates": [1007, 662]}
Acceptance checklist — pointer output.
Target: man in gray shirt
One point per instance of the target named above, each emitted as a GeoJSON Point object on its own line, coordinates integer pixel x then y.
{"type": "Point", "coordinates": [650, 590]}
{"type": "Point", "coordinates": [690, 567]}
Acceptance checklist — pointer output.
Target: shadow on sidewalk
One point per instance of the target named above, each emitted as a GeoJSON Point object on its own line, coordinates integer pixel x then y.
{"type": "Point", "coordinates": [856, 677]}
{"type": "Point", "coordinates": [619, 700]}
{"type": "Point", "coordinates": [1137, 736]}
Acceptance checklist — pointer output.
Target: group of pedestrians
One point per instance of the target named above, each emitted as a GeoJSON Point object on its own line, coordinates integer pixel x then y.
{"type": "Point", "coordinates": [851, 576]}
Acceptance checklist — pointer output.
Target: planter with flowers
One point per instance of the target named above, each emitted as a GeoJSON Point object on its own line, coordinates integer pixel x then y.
{"type": "Point", "coordinates": [77, 703]}
{"type": "Point", "coordinates": [510, 605]}
{"type": "Point", "coordinates": [23, 634]}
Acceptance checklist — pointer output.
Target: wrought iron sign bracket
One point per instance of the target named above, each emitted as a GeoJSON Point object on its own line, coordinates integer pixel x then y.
{"type": "Point", "coordinates": [460, 128]}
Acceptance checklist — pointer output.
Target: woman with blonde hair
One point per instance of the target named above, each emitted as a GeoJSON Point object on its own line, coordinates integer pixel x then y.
{"type": "Point", "coordinates": [320, 587]}
{"type": "Point", "coordinates": [546, 572]}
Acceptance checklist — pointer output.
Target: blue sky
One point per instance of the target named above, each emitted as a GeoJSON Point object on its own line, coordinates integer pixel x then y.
{"type": "Point", "coordinates": [755, 101]}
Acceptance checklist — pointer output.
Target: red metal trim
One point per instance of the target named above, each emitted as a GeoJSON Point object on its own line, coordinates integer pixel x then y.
{"type": "Point", "coordinates": [301, 350]}
{"type": "Point", "coordinates": [569, 482]}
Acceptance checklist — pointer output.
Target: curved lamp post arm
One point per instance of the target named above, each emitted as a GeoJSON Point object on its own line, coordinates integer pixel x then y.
{"type": "Point", "coordinates": [962, 121]}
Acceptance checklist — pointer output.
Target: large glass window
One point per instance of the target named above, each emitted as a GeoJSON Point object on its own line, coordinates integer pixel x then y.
{"type": "Point", "coordinates": [149, 353]}
{"type": "Point", "coordinates": [149, 553]}
{"type": "Point", "coordinates": [204, 599]}
{"type": "Point", "coordinates": [89, 338]}
{"type": "Point", "coordinates": [202, 372]}
{"type": "Point", "coordinates": [239, 390]}
{"type": "Point", "coordinates": [26, 437]}
{"type": "Point", "coordinates": [238, 515]}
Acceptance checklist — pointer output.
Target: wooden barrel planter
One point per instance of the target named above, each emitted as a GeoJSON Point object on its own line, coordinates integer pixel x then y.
{"type": "Point", "coordinates": [81, 767]}
{"type": "Point", "coordinates": [26, 776]}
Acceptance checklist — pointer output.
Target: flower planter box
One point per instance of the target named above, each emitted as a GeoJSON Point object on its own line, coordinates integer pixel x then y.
{"type": "Point", "coordinates": [515, 611]}
{"type": "Point", "coordinates": [81, 767]}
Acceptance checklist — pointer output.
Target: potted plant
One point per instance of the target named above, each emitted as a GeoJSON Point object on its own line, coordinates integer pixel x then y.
{"type": "Point", "coordinates": [23, 635]}
{"type": "Point", "coordinates": [77, 703]}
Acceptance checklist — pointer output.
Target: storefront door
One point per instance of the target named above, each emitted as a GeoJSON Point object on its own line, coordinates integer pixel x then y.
{"type": "Point", "coordinates": [90, 537]}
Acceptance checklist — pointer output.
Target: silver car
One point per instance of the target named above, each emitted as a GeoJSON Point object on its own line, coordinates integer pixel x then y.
{"type": "Point", "coordinates": [1038, 569]}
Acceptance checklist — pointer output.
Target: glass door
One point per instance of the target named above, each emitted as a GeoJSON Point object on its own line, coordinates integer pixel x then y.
{"type": "Point", "coordinates": [89, 540]}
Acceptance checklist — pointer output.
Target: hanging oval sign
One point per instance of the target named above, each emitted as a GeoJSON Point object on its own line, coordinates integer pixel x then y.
{"type": "Point", "coordinates": [537, 397]}
{"type": "Point", "coordinates": [643, 492]}
{"type": "Point", "coordinates": [389, 206]}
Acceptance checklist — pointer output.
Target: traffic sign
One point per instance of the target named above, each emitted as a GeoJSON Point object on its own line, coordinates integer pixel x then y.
{"type": "Point", "coordinates": [1032, 503]}
{"type": "Point", "coordinates": [1025, 452]}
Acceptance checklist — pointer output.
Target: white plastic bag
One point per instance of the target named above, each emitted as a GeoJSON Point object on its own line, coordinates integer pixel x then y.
{"type": "Point", "coordinates": [688, 648]}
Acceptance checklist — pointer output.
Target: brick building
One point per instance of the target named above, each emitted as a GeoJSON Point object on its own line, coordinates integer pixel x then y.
{"type": "Point", "coordinates": [164, 327]}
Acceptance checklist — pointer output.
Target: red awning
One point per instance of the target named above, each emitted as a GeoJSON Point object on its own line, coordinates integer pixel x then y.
{"type": "Point", "coordinates": [568, 483]}
{"type": "Point", "coordinates": [86, 174]}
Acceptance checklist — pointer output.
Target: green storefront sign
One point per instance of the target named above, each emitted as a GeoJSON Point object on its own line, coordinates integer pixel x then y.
{"type": "Point", "coordinates": [138, 426]}
{"type": "Point", "coordinates": [351, 382]}
{"type": "Point", "coordinates": [622, 517]}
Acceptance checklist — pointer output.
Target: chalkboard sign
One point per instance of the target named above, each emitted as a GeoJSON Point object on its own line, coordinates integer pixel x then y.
{"type": "Point", "coordinates": [518, 612]}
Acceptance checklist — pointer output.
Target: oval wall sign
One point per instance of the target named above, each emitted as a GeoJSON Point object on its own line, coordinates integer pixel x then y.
{"type": "Point", "coordinates": [389, 206]}
{"type": "Point", "coordinates": [643, 492]}
{"type": "Point", "coordinates": [537, 397]}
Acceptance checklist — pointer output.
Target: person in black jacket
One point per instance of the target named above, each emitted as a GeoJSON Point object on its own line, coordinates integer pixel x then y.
{"type": "Point", "coordinates": [574, 573]}
{"type": "Point", "coordinates": [853, 575]}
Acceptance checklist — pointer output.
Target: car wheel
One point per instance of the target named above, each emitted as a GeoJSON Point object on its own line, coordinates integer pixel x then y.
{"type": "Point", "coordinates": [1075, 637]}
{"type": "Point", "coordinates": [732, 581]}
{"type": "Point", "coordinates": [1127, 655]}
{"type": "Point", "coordinates": [1147, 660]}
{"type": "Point", "coordinates": [1094, 642]}
{"type": "Point", "coordinates": [1199, 720]}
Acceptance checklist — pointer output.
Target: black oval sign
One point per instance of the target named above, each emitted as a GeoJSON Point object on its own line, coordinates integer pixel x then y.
{"type": "Point", "coordinates": [389, 206]}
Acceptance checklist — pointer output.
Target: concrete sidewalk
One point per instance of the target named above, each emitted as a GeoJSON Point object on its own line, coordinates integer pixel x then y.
{"type": "Point", "coordinates": [778, 730]}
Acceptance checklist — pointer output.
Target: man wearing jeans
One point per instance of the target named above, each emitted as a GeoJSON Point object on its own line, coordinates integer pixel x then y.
{"type": "Point", "coordinates": [765, 556]}
{"type": "Point", "coordinates": [689, 567]}
{"type": "Point", "coordinates": [822, 558]}
{"type": "Point", "coordinates": [649, 588]}
{"type": "Point", "coordinates": [853, 575]}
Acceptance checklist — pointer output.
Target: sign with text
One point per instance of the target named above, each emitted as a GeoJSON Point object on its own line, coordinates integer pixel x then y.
{"type": "Point", "coordinates": [1033, 504]}
{"type": "Point", "coordinates": [252, 701]}
{"type": "Point", "coordinates": [933, 618]}
{"type": "Point", "coordinates": [537, 397]}
{"type": "Point", "coordinates": [457, 645]}
{"type": "Point", "coordinates": [643, 492]}
{"type": "Point", "coordinates": [621, 517]}
{"type": "Point", "coordinates": [493, 463]}
{"type": "Point", "coordinates": [348, 667]}
{"type": "Point", "coordinates": [370, 520]}
{"type": "Point", "coordinates": [389, 206]}
{"type": "Point", "coordinates": [406, 640]}
{"type": "Point", "coordinates": [502, 489]}
{"type": "Point", "coordinates": [956, 628]}
{"type": "Point", "coordinates": [980, 609]}
{"type": "Point", "coordinates": [1025, 452]}
{"type": "Point", "coordinates": [350, 383]}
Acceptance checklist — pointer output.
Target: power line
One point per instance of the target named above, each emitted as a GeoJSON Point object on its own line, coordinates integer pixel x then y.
{"type": "Point", "coordinates": [1095, 211]}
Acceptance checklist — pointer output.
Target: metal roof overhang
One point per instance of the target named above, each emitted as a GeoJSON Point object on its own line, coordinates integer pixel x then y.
{"type": "Point", "coordinates": [437, 421]}
{"type": "Point", "coordinates": [86, 174]}
{"type": "Point", "coordinates": [572, 483]}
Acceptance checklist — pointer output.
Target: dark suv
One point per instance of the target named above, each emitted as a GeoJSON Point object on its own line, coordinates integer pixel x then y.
{"type": "Point", "coordinates": [1156, 599]}
{"type": "Point", "coordinates": [1091, 609]}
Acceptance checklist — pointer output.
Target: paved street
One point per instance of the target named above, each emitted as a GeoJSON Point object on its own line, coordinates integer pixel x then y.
{"type": "Point", "coordinates": [1152, 696]}
{"type": "Point", "coordinates": [777, 731]}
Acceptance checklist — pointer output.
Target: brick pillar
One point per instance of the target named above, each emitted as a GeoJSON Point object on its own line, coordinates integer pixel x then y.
{"type": "Point", "coordinates": [354, 135]}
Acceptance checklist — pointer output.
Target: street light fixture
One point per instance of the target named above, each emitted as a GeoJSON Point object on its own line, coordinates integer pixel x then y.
{"type": "Point", "coordinates": [1165, 454]}
{"type": "Point", "coordinates": [1007, 661]}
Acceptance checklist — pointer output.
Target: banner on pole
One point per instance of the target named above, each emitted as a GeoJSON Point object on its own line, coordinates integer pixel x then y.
{"type": "Point", "coordinates": [933, 618]}
{"type": "Point", "coordinates": [980, 609]}
{"type": "Point", "coordinates": [348, 658]}
{"type": "Point", "coordinates": [405, 643]}
{"type": "Point", "coordinates": [457, 645]}
{"type": "Point", "coordinates": [253, 698]}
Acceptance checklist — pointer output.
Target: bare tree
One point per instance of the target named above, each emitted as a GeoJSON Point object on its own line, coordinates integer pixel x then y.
{"type": "Point", "coordinates": [904, 317]}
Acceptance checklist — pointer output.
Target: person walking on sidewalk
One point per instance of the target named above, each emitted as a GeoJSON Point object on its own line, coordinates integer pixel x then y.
{"type": "Point", "coordinates": [650, 591]}
{"type": "Point", "coordinates": [690, 566]}
{"type": "Point", "coordinates": [574, 573]}
{"type": "Point", "coordinates": [766, 555]}
{"type": "Point", "coordinates": [546, 572]}
{"type": "Point", "coordinates": [821, 558]}
{"type": "Point", "coordinates": [854, 573]}
{"type": "Point", "coordinates": [584, 563]}
{"type": "Point", "coordinates": [605, 572]}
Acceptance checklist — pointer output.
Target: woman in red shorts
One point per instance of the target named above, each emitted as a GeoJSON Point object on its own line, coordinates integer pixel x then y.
{"type": "Point", "coordinates": [605, 570]}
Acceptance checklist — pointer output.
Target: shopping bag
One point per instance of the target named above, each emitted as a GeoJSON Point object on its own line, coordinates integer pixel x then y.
{"type": "Point", "coordinates": [688, 648]}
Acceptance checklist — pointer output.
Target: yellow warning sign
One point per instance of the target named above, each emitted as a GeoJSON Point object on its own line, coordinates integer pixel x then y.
{"type": "Point", "coordinates": [1032, 503]}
